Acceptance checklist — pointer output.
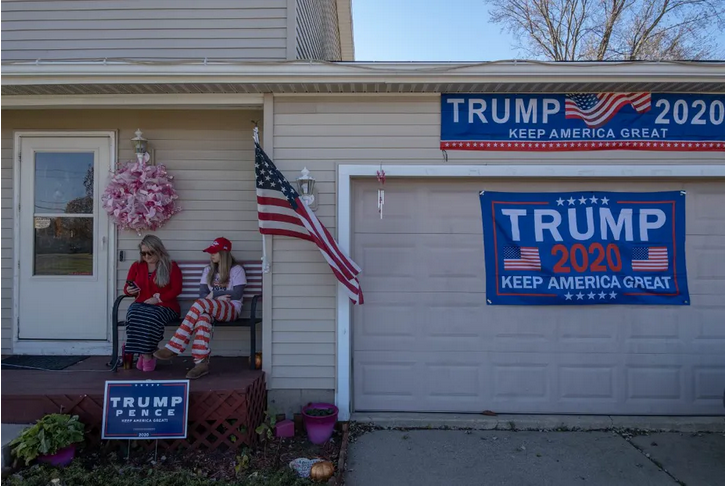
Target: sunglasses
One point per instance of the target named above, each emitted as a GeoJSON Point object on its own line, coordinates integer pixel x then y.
{"type": "Point", "coordinates": [146, 253]}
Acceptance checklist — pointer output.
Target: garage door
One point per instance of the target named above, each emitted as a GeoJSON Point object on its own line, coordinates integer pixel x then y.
{"type": "Point", "coordinates": [426, 342]}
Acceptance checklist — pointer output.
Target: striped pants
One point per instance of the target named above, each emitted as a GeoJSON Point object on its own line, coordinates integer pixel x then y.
{"type": "Point", "coordinates": [198, 322]}
{"type": "Point", "coordinates": [145, 327]}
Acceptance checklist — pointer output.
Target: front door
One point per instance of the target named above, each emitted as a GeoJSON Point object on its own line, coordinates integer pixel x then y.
{"type": "Point", "coordinates": [64, 240]}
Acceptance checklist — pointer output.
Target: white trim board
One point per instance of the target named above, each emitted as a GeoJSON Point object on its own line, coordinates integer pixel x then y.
{"type": "Point", "coordinates": [38, 347]}
{"type": "Point", "coordinates": [161, 101]}
{"type": "Point", "coordinates": [347, 172]}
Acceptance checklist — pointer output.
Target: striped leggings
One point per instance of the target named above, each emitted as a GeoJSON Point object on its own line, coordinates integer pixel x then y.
{"type": "Point", "coordinates": [198, 321]}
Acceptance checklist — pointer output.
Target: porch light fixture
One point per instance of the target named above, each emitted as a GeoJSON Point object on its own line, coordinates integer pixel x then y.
{"type": "Point", "coordinates": [307, 189]}
{"type": "Point", "coordinates": [140, 147]}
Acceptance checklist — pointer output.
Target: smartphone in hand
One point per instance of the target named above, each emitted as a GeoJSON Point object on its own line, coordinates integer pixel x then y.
{"type": "Point", "coordinates": [130, 284]}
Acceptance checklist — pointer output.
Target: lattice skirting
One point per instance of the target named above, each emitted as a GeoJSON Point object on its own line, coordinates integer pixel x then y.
{"type": "Point", "coordinates": [217, 419]}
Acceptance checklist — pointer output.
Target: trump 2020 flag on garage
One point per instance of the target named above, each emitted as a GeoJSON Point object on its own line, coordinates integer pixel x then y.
{"type": "Point", "coordinates": [585, 248]}
{"type": "Point", "coordinates": [281, 212]}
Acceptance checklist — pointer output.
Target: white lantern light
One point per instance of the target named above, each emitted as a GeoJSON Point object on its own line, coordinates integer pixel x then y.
{"type": "Point", "coordinates": [307, 189]}
{"type": "Point", "coordinates": [140, 146]}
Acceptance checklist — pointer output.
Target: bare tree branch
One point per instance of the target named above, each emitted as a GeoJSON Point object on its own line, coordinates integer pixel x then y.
{"type": "Point", "coordinates": [613, 29]}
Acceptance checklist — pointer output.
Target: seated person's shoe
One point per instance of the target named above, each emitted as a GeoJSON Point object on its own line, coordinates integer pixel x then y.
{"type": "Point", "coordinates": [150, 364]}
{"type": "Point", "coordinates": [164, 354]}
{"type": "Point", "coordinates": [199, 370]}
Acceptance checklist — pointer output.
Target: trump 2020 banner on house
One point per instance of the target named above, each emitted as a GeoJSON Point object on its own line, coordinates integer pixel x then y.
{"type": "Point", "coordinates": [583, 122]}
{"type": "Point", "coordinates": [584, 248]}
{"type": "Point", "coordinates": [145, 409]}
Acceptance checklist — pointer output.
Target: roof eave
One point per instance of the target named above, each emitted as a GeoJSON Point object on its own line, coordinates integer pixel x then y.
{"type": "Point", "coordinates": [350, 77]}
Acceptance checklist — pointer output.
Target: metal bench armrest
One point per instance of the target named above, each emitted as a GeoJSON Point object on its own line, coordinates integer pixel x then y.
{"type": "Point", "coordinates": [115, 331]}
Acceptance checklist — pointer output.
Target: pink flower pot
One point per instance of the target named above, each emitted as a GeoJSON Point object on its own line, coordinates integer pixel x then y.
{"type": "Point", "coordinates": [319, 429]}
{"type": "Point", "coordinates": [61, 458]}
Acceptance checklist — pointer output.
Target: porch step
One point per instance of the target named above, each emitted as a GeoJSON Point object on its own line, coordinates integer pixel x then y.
{"type": "Point", "coordinates": [9, 433]}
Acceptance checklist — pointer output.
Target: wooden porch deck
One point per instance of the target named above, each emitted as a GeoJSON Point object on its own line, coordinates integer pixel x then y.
{"type": "Point", "coordinates": [225, 406]}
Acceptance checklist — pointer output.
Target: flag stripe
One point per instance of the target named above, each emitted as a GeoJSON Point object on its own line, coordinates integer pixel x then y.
{"type": "Point", "coordinates": [288, 233]}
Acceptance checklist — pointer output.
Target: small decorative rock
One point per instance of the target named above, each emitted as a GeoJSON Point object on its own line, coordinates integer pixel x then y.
{"type": "Point", "coordinates": [302, 466]}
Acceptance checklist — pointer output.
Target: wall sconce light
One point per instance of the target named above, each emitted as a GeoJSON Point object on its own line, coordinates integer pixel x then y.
{"type": "Point", "coordinates": [140, 147]}
{"type": "Point", "coordinates": [307, 189]}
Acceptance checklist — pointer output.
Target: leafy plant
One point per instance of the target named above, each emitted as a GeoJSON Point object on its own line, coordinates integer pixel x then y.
{"type": "Point", "coordinates": [319, 412]}
{"type": "Point", "coordinates": [268, 426]}
{"type": "Point", "coordinates": [50, 434]}
{"type": "Point", "coordinates": [243, 461]}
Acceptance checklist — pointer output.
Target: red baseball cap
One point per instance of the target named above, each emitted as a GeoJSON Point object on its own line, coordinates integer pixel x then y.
{"type": "Point", "coordinates": [219, 244]}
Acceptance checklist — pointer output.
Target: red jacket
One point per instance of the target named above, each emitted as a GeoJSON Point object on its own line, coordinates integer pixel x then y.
{"type": "Point", "coordinates": [139, 274]}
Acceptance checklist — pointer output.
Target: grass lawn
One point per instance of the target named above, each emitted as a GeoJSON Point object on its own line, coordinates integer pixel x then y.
{"type": "Point", "coordinates": [63, 264]}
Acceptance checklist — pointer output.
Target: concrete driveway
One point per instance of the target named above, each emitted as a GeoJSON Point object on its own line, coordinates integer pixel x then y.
{"type": "Point", "coordinates": [496, 457]}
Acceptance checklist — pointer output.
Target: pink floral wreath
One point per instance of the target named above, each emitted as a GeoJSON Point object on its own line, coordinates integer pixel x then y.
{"type": "Point", "coordinates": [140, 197]}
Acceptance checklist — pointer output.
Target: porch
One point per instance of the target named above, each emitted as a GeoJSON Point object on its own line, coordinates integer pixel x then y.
{"type": "Point", "coordinates": [225, 406]}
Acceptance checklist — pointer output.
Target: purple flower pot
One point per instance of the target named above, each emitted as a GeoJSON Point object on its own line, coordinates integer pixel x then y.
{"type": "Point", "coordinates": [61, 458]}
{"type": "Point", "coordinates": [319, 429]}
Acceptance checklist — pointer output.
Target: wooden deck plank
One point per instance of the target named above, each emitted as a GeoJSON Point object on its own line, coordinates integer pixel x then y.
{"type": "Point", "coordinates": [89, 376]}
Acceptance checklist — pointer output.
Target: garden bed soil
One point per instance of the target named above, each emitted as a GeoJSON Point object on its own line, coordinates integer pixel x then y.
{"type": "Point", "coordinates": [267, 464]}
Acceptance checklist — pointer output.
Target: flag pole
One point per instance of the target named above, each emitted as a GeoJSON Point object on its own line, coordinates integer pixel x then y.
{"type": "Point", "coordinates": [266, 264]}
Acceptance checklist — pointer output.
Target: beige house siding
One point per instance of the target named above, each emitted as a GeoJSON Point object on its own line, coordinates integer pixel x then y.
{"type": "Point", "coordinates": [321, 132]}
{"type": "Point", "coordinates": [209, 153]}
{"type": "Point", "coordinates": [345, 29]}
{"type": "Point", "coordinates": [160, 29]}
{"type": "Point", "coordinates": [316, 30]}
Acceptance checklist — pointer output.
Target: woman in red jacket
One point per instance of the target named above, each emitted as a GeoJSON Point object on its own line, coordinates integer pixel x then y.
{"type": "Point", "coordinates": [156, 281]}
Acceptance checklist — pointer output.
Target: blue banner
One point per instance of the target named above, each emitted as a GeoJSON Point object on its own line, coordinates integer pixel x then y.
{"type": "Point", "coordinates": [583, 122]}
{"type": "Point", "coordinates": [584, 248]}
{"type": "Point", "coordinates": [145, 409]}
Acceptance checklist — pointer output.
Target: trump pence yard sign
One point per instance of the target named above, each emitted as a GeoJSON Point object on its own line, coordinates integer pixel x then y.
{"type": "Point", "coordinates": [145, 409]}
{"type": "Point", "coordinates": [585, 248]}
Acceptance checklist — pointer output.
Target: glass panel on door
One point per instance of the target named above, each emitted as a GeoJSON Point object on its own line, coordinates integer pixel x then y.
{"type": "Point", "coordinates": [63, 219]}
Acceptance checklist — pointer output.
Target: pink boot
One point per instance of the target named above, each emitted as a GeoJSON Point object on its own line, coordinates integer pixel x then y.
{"type": "Point", "coordinates": [149, 364]}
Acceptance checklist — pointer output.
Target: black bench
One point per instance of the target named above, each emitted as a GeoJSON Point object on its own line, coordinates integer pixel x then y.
{"type": "Point", "coordinates": [191, 275]}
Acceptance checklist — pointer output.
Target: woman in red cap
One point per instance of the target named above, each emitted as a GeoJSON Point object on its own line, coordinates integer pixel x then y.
{"type": "Point", "coordinates": [220, 292]}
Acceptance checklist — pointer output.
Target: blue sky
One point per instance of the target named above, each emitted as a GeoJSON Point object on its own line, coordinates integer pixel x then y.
{"type": "Point", "coordinates": [431, 30]}
{"type": "Point", "coordinates": [427, 30]}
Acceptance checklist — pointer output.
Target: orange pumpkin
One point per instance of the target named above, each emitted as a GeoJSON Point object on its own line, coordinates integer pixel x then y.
{"type": "Point", "coordinates": [258, 360]}
{"type": "Point", "coordinates": [322, 471]}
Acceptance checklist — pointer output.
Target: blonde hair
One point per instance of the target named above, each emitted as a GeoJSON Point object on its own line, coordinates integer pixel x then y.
{"type": "Point", "coordinates": [164, 265]}
{"type": "Point", "coordinates": [227, 262]}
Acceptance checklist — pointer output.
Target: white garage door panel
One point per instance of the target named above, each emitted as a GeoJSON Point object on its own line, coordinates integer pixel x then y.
{"type": "Point", "coordinates": [460, 322]}
{"type": "Point", "coordinates": [537, 383]}
{"type": "Point", "coordinates": [426, 341]}
{"type": "Point", "coordinates": [432, 262]}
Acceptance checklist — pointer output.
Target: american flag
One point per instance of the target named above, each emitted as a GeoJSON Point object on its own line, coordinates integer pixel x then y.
{"type": "Point", "coordinates": [596, 109]}
{"type": "Point", "coordinates": [649, 259]}
{"type": "Point", "coordinates": [281, 212]}
{"type": "Point", "coordinates": [519, 258]}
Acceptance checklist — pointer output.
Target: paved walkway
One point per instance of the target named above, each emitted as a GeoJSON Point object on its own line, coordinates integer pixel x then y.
{"type": "Point", "coordinates": [489, 457]}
